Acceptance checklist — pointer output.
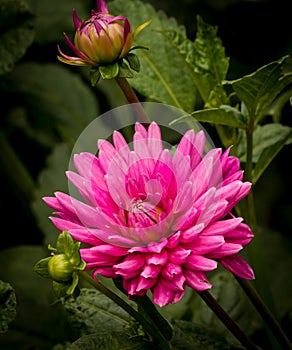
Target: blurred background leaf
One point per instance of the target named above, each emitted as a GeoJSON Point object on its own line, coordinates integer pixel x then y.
{"type": "Point", "coordinates": [7, 306]}
{"type": "Point", "coordinates": [17, 32]}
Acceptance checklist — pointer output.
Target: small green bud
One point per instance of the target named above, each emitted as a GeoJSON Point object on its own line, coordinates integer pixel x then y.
{"type": "Point", "coordinates": [60, 268]}
{"type": "Point", "coordinates": [63, 265]}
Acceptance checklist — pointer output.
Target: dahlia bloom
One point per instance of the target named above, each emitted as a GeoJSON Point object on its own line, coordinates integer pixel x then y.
{"type": "Point", "coordinates": [101, 40]}
{"type": "Point", "coordinates": [157, 220]}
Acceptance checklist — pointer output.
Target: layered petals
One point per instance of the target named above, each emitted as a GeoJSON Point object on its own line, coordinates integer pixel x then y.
{"type": "Point", "coordinates": [158, 221]}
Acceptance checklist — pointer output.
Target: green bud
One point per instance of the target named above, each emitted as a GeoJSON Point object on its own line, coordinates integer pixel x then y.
{"type": "Point", "coordinates": [60, 268]}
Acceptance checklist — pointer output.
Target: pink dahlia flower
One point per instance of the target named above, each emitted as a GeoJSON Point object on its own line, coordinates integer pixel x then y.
{"type": "Point", "coordinates": [159, 221]}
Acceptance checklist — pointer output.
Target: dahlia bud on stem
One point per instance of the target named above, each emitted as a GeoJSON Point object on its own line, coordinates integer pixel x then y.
{"type": "Point", "coordinates": [104, 42]}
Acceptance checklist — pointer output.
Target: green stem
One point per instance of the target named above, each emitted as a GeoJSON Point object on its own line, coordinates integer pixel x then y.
{"type": "Point", "coordinates": [265, 313]}
{"type": "Point", "coordinates": [227, 320]}
{"type": "Point", "coordinates": [149, 328]}
{"type": "Point", "coordinates": [148, 310]}
{"type": "Point", "coordinates": [254, 248]}
{"type": "Point", "coordinates": [133, 99]}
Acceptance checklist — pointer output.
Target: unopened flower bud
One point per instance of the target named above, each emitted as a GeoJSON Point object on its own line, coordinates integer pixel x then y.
{"type": "Point", "coordinates": [101, 40]}
{"type": "Point", "coordinates": [60, 268]}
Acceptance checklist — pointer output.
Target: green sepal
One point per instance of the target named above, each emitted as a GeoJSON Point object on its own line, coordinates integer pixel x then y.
{"type": "Point", "coordinates": [41, 267]}
{"type": "Point", "coordinates": [133, 61]}
{"type": "Point", "coordinates": [109, 71]}
{"type": "Point", "coordinates": [66, 245]}
{"type": "Point", "coordinates": [125, 70]}
{"type": "Point", "coordinates": [74, 284]}
{"type": "Point", "coordinates": [94, 76]}
{"type": "Point", "coordinates": [139, 47]}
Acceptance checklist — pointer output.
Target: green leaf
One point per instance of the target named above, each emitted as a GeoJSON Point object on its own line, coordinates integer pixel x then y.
{"type": "Point", "coordinates": [93, 312]}
{"type": "Point", "coordinates": [206, 57]}
{"type": "Point", "coordinates": [7, 305]}
{"type": "Point", "coordinates": [64, 101]}
{"type": "Point", "coordinates": [164, 74]}
{"type": "Point", "coordinates": [109, 341]}
{"type": "Point", "coordinates": [259, 89]}
{"type": "Point", "coordinates": [270, 137]}
{"type": "Point", "coordinates": [225, 115]}
{"type": "Point", "coordinates": [191, 335]}
{"type": "Point", "coordinates": [269, 154]}
{"type": "Point", "coordinates": [233, 300]}
{"type": "Point", "coordinates": [17, 32]}
{"type": "Point", "coordinates": [209, 61]}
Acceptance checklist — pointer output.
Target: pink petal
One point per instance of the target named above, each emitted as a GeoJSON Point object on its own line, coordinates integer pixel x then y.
{"type": "Point", "coordinates": [190, 234]}
{"type": "Point", "coordinates": [225, 250]}
{"type": "Point", "coordinates": [145, 283]}
{"type": "Point", "coordinates": [176, 284]}
{"type": "Point", "coordinates": [178, 255]}
{"type": "Point", "coordinates": [110, 250]}
{"type": "Point", "coordinates": [222, 227]}
{"type": "Point", "coordinates": [106, 271]}
{"type": "Point", "coordinates": [89, 255]}
{"type": "Point", "coordinates": [150, 271]}
{"type": "Point", "coordinates": [238, 266]}
{"type": "Point", "coordinates": [76, 20]}
{"type": "Point", "coordinates": [173, 240]}
{"type": "Point", "coordinates": [197, 280]}
{"type": "Point", "coordinates": [170, 270]}
{"type": "Point", "coordinates": [154, 140]}
{"type": "Point", "coordinates": [162, 295]}
{"type": "Point", "coordinates": [133, 261]}
{"type": "Point", "coordinates": [157, 258]}
{"type": "Point", "coordinates": [200, 263]}
{"type": "Point", "coordinates": [120, 144]}
{"type": "Point", "coordinates": [101, 6]}
{"type": "Point", "coordinates": [139, 128]}
{"type": "Point", "coordinates": [242, 234]}
{"type": "Point", "coordinates": [205, 245]}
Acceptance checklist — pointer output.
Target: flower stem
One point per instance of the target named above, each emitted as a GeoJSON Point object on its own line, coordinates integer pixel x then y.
{"type": "Point", "coordinates": [133, 99]}
{"type": "Point", "coordinates": [227, 320]}
{"type": "Point", "coordinates": [265, 313]}
{"type": "Point", "coordinates": [149, 328]}
{"type": "Point", "coordinates": [254, 248]}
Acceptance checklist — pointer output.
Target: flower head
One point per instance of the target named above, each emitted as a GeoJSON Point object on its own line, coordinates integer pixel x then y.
{"type": "Point", "coordinates": [157, 220]}
{"type": "Point", "coordinates": [101, 40]}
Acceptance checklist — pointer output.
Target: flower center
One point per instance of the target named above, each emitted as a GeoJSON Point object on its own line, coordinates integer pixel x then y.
{"type": "Point", "coordinates": [143, 208]}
